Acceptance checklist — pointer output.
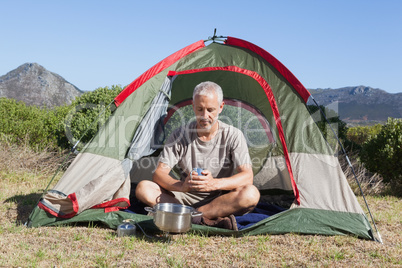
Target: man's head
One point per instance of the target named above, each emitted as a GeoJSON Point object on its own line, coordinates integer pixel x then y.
{"type": "Point", "coordinates": [207, 104]}
{"type": "Point", "coordinates": [208, 88]}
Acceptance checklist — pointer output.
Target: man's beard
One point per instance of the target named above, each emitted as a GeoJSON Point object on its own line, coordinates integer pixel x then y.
{"type": "Point", "coordinates": [209, 125]}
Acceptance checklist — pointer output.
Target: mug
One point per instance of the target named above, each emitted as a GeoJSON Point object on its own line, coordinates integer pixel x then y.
{"type": "Point", "coordinates": [198, 170]}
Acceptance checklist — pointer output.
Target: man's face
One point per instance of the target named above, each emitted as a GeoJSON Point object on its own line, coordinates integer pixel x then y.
{"type": "Point", "coordinates": [206, 109]}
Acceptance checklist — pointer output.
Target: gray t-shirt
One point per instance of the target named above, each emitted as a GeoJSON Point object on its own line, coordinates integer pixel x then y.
{"type": "Point", "coordinates": [221, 155]}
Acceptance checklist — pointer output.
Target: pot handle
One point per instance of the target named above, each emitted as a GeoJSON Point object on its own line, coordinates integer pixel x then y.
{"type": "Point", "coordinates": [196, 213]}
{"type": "Point", "coordinates": [149, 209]}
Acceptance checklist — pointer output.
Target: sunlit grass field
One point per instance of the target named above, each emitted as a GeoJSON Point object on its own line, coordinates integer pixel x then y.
{"type": "Point", "coordinates": [24, 174]}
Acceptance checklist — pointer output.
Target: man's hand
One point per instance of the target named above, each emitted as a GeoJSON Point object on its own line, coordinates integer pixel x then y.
{"type": "Point", "coordinates": [186, 184]}
{"type": "Point", "coordinates": [202, 183]}
{"type": "Point", "coordinates": [163, 179]}
{"type": "Point", "coordinates": [206, 183]}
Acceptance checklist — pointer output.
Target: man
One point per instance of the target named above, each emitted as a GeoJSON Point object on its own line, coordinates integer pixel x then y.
{"type": "Point", "coordinates": [225, 187]}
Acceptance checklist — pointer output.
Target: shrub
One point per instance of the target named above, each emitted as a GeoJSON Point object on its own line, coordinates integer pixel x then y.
{"type": "Point", "coordinates": [58, 127]}
{"type": "Point", "coordinates": [360, 135]}
{"type": "Point", "coordinates": [383, 152]}
{"type": "Point", "coordinates": [39, 127]}
{"type": "Point", "coordinates": [86, 117]}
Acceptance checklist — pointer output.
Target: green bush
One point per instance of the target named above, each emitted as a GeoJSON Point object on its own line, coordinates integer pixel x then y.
{"type": "Point", "coordinates": [383, 152]}
{"type": "Point", "coordinates": [39, 127]}
{"type": "Point", "coordinates": [58, 127]}
{"type": "Point", "coordinates": [85, 117]}
{"type": "Point", "coordinates": [359, 135]}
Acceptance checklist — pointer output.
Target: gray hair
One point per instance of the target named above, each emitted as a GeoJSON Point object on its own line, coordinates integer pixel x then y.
{"type": "Point", "coordinates": [206, 88]}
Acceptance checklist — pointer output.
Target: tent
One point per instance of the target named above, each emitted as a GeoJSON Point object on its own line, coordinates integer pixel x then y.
{"type": "Point", "coordinates": [294, 167]}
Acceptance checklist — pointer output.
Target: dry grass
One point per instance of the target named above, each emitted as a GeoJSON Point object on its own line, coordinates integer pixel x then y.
{"type": "Point", "coordinates": [371, 184]}
{"type": "Point", "coordinates": [22, 159]}
{"type": "Point", "coordinates": [24, 174]}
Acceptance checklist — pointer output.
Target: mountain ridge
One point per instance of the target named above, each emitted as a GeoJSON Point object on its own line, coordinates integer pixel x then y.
{"type": "Point", "coordinates": [35, 85]}
{"type": "Point", "coordinates": [359, 104]}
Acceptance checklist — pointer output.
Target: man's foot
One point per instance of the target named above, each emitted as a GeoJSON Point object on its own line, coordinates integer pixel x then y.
{"type": "Point", "coordinates": [220, 222]}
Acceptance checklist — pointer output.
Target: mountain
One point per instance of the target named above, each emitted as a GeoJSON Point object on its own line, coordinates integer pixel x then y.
{"type": "Point", "coordinates": [35, 85]}
{"type": "Point", "coordinates": [361, 104]}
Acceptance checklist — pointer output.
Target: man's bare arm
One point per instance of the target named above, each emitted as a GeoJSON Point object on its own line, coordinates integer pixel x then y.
{"type": "Point", "coordinates": [162, 178]}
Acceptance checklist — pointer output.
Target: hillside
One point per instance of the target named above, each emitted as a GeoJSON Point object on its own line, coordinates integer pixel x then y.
{"type": "Point", "coordinates": [361, 104]}
{"type": "Point", "coordinates": [35, 85]}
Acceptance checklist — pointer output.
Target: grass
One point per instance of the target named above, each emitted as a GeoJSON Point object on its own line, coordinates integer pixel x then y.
{"type": "Point", "coordinates": [25, 173]}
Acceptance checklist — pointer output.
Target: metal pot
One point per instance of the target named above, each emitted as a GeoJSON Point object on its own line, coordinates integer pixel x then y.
{"type": "Point", "coordinates": [173, 218]}
{"type": "Point", "coordinates": [126, 229]}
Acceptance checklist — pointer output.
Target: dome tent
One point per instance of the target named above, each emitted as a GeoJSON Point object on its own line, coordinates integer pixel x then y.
{"type": "Point", "coordinates": [293, 165]}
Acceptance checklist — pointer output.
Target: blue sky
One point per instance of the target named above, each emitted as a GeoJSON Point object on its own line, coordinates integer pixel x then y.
{"type": "Point", "coordinates": [325, 44]}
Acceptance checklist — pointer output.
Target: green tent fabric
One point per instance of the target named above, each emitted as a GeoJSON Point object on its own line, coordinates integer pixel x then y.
{"type": "Point", "coordinates": [291, 158]}
{"type": "Point", "coordinates": [302, 221]}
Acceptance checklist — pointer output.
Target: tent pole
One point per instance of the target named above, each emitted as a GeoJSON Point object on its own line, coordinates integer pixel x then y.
{"type": "Point", "coordinates": [73, 149]}
{"type": "Point", "coordinates": [351, 166]}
